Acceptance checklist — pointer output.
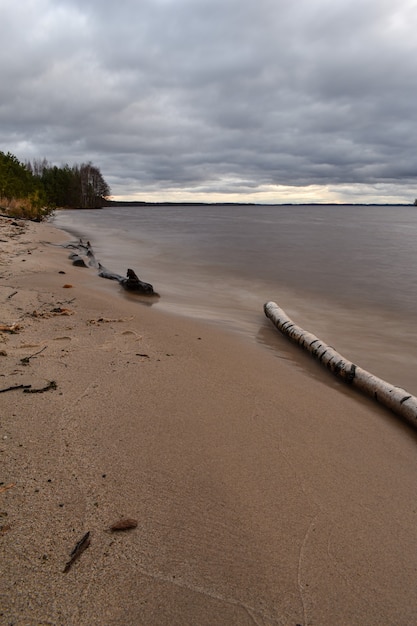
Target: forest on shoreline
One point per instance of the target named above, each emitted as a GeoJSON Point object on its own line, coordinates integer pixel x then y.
{"type": "Point", "coordinates": [35, 188]}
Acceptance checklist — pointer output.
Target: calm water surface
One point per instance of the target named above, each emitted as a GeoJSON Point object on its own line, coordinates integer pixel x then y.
{"type": "Point", "coordinates": [346, 274]}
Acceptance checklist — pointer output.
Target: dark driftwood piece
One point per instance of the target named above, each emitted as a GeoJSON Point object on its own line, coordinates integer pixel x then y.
{"type": "Point", "coordinates": [130, 282]}
{"type": "Point", "coordinates": [24, 387]}
{"type": "Point", "coordinates": [77, 260]}
{"type": "Point", "coordinates": [51, 385]}
{"type": "Point", "coordinates": [78, 550]}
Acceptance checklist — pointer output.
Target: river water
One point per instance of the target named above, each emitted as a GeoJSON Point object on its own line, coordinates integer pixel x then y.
{"type": "Point", "coordinates": [348, 274]}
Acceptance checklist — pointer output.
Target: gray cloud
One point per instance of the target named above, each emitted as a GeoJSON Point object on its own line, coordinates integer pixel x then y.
{"type": "Point", "coordinates": [216, 96]}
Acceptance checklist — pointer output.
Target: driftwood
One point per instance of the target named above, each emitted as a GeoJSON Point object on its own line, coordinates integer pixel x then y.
{"type": "Point", "coordinates": [83, 256]}
{"type": "Point", "coordinates": [13, 387]}
{"type": "Point", "coordinates": [398, 400]}
{"type": "Point", "coordinates": [77, 260]}
{"type": "Point", "coordinates": [82, 250]}
{"type": "Point", "coordinates": [28, 388]}
{"type": "Point", "coordinates": [131, 282]}
{"type": "Point", "coordinates": [51, 385]}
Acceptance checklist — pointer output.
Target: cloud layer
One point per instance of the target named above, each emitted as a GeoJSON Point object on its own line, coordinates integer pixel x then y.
{"type": "Point", "coordinates": [217, 99]}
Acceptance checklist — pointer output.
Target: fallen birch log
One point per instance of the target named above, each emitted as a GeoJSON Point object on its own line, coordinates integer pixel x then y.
{"type": "Point", "coordinates": [398, 400]}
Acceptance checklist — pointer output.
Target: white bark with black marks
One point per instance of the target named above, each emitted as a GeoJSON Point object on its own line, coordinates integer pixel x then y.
{"type": "Point", "coordinates": [398, 400]}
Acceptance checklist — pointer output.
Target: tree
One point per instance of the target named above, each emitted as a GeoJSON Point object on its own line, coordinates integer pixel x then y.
{"type": "Point", "coordinates": [15, 180]}
{"type": "Point", "coordinates": [93, 187]}
{"type": "Point", "coordinates": [59, 186]}
{"type": "Point", "coordinates": [21, 193]}
{"type": "Point", "coordinates": [79, 186]}
{"type": "Point", "coordinates": [36, 188]}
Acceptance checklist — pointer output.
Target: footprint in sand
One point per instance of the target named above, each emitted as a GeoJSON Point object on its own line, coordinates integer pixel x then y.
{"type": "Point", "coordinates": [131, 332]}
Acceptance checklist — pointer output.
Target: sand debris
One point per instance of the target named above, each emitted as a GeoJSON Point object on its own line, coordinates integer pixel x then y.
{"type": "Point", "coordinates": [10, 328]}
{"type": "Point", "coordinates": [28, 388]}
{"type": "Point", "coordinates": [13, 387]}
{"type": "Point", "coordinates": [5, 528]}
{"type": "Point", "coordinates": [53, 312]}
{"type": "Point", "coordinates": [62, 311]}
{"type": "Point", "coordinates": [25, 360]}
{"type": "Point", "coordinates": [6, 487]}
{"type": "Point", "coordinates": [106, 320]}
{"type": "Point", "coordinates": [124, 524]}
{"type": "Point", "coordinates": [78, 550]}
{"type": "Point", "coordinates": [51, 385]}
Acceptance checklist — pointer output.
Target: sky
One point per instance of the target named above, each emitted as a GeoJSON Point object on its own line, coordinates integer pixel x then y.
{"type": "Point", "coordinates": [266, 101]}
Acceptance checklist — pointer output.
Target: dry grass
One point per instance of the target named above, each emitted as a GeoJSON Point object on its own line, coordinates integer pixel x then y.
{"type": "Point", "coordinates": [23, 208]}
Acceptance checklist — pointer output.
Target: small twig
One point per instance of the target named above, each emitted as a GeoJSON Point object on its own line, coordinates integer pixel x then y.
{"type": "Point", "coordinates": [6, 487]}
{"type": "Point", "coordinates": [51, 385]}
{"type": "Point", "coordinates": [24, 387]}
{"type": "Point", "coordinates": [26, 359]}
{"type": "Point", "coordinates": [11, 295]}
{"type": "Point", "coordinates": [12, 328]}
{"type": "Point", "coordinates": [78, 550]}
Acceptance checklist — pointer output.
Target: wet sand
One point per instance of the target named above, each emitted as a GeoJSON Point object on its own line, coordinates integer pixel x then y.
{"type": "Point", "coordinates": [263, 495]}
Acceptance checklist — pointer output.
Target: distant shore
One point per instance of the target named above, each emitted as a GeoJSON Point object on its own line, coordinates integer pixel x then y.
{"type": "Point", "coordinates": [261, 495]}
{"type": "Point", "coordinates": [115, 203]}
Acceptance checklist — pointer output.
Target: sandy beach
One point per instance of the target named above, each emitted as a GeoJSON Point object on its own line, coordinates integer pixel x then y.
{"type": "Point", "coordinates": [263, 495]}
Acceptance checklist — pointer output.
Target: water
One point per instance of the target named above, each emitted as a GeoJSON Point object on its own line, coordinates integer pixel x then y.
{"type": "Point", "coordinates": [348, 274]}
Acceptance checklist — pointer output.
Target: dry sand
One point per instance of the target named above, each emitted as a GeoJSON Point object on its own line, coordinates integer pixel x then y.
{"type": "Point", "coordinates": [263, 495]}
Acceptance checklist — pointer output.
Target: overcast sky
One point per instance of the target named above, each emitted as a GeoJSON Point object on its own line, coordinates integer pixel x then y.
{"type": "Point", "coordinates": [223, 100]}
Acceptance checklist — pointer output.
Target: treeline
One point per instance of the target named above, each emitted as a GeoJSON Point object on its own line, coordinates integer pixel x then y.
{"type": "Point", "coordinates": [34, 189]}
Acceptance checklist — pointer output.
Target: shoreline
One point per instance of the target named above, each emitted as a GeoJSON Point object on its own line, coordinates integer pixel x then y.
{"type": "Point", "coordinates": [262, 495]}
{"type": "Point", "coordinates": [379, 339]}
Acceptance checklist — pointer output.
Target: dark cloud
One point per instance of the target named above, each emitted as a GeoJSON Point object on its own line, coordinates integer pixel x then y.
{"type": "Point", "coordinates": [217, 96]}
